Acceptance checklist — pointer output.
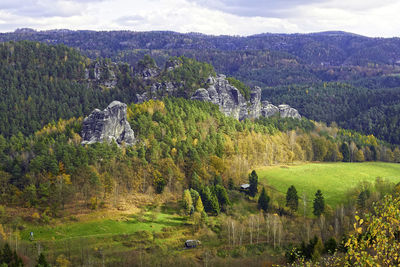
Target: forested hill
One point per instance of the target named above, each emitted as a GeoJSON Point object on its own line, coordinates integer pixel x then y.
{"type": "Point", "coordinates": [180, 142]}
{"type": "Point", "coordinates": [361, 73]}
{"type": "Point", "coordinates": [334, 48]}
{"type": "Point", "coordinates": [41, 83]}
{"type": "Point", "coordinates": [264, 60]}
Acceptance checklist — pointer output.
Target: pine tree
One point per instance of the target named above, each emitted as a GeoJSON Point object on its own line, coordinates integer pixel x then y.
{"type": "Point", "coordinates": [215, 209]}
{"type": "Point", "coordinates": [263, 200]}
{"type": "Point", "coordinates": [319, 203]}
{"type": "Point", "coordinates": [222, 196]}
{"type": "Point", "coordinates": [253, 181]}
{"type": "Point", "coordinates": [187, 201]}
{"type": "Point", "coordinates": [195, 196]}
{"type": "Point", "coordinates": [292, 200]}
{"type": "Point", "coordinates": [344, 148]}
{"type": "Point", "coordinates": [210, 201]}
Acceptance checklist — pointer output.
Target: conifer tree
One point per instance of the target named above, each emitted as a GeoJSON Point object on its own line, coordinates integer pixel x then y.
{"type": "Point", "coordinates": [215, 208]}
{"type": "Point", "coordinates": [292, 199]}
{"type": "Point", "coordinates": [222, 196]}
{"type": "Point", "coordinates": [210, 201]}
{"type": "Point", "coordinates": [253, 181]}
{"type": "Point", "coordinates": [187, 201]}
{"type": "Point", "coordinates": [344, 148]}
{"type": "Point", "coordinates": [319, 203]}
{"type": "Point", "coordinates": [263, 200]}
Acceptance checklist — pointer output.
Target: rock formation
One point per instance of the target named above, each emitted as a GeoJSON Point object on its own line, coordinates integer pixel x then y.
{"type": "Point", "coordinates": [288, 112]}
{"type": "Point", "coordinates": [226, 96]}
{"type": "Point", "coordinates": [269, 110]}
{"type": "Point", "coordinates": [108, 125]}
{"type": "Point", "coordinates": [232, 103]}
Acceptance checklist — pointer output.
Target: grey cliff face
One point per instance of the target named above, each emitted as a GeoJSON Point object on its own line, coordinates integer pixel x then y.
{"type": "Point", "coordinates": [226, 96]}
{"type": "Point", "coordinates": [269, 110]}
{"type": "Point", "coordinates": [288, 112]}
{"type": "Point", "coordinates": [108, 125]}
{"type": "Point", "coordinates": [232, 103]}
{"type": "Point", "coordinates": [220, 92]}
{"type": "Point", "coordinates": [157, 91]}
{"type": "Point", "coordinates": [255, 103]}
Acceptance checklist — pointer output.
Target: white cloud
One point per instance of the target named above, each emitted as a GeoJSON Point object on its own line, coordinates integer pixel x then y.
{"type": "Point", "coordinates": [233, 17]}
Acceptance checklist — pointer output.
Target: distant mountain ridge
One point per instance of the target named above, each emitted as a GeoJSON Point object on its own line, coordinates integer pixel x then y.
{"type": "Point", "coordinates": [335, 47]}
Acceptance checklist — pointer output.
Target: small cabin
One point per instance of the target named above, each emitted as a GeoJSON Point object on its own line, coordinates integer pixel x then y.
{"type": "Point", "coordinates": [192, 243]}
{"type": "Point", "coordinates": [245, 187]}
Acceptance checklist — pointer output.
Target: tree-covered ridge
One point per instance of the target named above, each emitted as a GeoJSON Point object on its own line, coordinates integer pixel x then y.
{"type": "Point", "coordinates": [330, 48]}
{"type": "Point", "coordinates": [187, 73]}
{"type": "Point", "coordinates": [41, 83]}
{"type": "Point", "coordinates": [370, 111]}
{"type": "Point", "coordinates": [179, 141]}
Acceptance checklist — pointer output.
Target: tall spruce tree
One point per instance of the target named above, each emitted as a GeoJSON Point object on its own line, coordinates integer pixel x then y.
{"type": "Point", "coordinates": [319, 203]}
{"type": "Point", "coordinates": [222, 197]}
{"type": "Point", "coordinates": [187, 201]}
{"type": "Point", "coordinates": [253, 181]}
{"type": "Point", "coordinates": [263, 200]}
{"type": "Point", "coordinates": [345, 150]}
{"type": "Point", "coordinates": [210, 201]}
{"type": "Point", "coordinates": [292, 199]}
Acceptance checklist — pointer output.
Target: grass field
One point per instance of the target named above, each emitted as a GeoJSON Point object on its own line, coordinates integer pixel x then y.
{"type": "Point", "coordinates": [333, 179]}
{"type": "Point", "coordinates": [104, 227]}
{"type": "Point", "coordinates": [110, 234]}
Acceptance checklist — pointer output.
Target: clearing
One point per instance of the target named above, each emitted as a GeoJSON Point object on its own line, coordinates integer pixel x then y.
{"type": "Point", "coordinates": [333, 179]}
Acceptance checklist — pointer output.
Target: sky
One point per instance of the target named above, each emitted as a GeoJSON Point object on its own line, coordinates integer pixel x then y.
{"type": "Point", "coordinates": [374, 18]}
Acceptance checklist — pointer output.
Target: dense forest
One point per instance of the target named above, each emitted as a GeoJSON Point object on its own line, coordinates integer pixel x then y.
{"type": "Point", "coordinates": [369, 108]}
{"type": "Point", "coordinates": [187, 152]}
{"type": "Point", "coordinates": [41, 83]}
{"type": "Point", "coordinates": [275, 62]}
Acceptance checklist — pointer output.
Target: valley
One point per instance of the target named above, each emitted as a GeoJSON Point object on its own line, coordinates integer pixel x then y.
{"type": "Point", "coordinates": [119, 160]}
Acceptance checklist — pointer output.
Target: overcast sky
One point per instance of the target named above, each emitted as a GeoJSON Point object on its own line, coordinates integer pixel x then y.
{"type": "Point", "coordinates": [377, 18]}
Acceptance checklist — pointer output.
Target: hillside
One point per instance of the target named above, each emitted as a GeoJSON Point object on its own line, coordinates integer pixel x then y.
{"type": "Point", "coordinates": [369, 106]}
{"type": "Point", "coordinates": [194, 135]}
{"type": "Point", "coordinates": [275, 62]}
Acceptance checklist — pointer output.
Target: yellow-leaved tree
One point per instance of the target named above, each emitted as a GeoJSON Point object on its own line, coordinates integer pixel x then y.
{"type": "Point", "coordinates": [376, 240]}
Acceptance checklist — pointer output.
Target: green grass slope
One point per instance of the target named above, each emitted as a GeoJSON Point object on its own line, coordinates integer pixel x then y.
{"type": "Point", "coordinates": [334, 179]}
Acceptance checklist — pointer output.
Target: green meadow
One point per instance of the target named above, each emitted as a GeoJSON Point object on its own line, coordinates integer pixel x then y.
{"type": "Point", "coordinates": [333, 179]}
{"type": "Point", "coordinates": [104, 227]}
{"type": "Point", "coordinates": [108, 236]}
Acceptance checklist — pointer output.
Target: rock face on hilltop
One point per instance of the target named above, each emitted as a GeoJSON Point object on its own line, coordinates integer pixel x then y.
{"type": "Point", "coordinates": [226, 96]}
{"type": "Point", "coordinates": [288, 112]}
{"type": "Point", "coordinates": [108, 125]}
{"type": "Point", "coordinates": [232, 103]}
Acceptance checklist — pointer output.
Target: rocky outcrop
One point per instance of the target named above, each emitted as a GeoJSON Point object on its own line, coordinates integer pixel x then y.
{"type": "Point", "coordinates": [108, 125]}
{"type": "Point", "coordinates": [226, 96]}
{"type": "Point", "coordinates": [254, 110]}
{"type": "Point", "coordinates": [269, 110]}
{"type": "Point", "coordinates": [219, 91]}
{"type": "Point", "coordinates": [157, 91]}
{"type": "Point", "coordinates": [232, 103]}
{"type": "Point", "coordinates": [288, 112]}
{"type": "Point", "coordinates": [149, 73]}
